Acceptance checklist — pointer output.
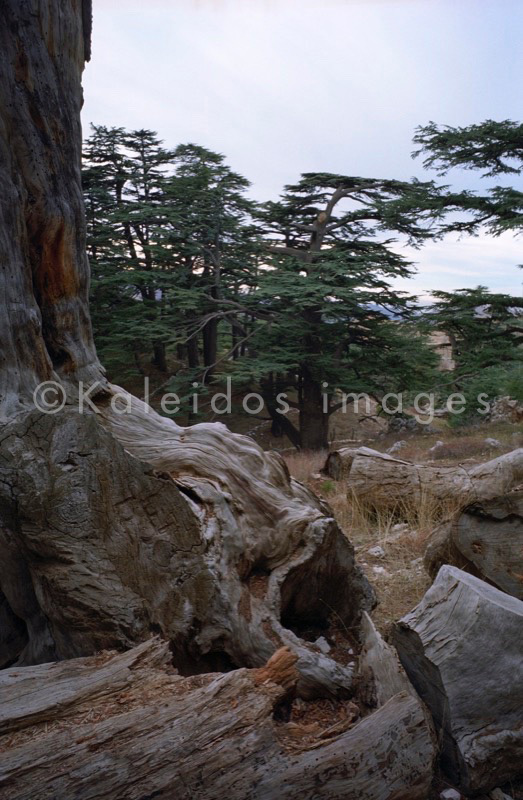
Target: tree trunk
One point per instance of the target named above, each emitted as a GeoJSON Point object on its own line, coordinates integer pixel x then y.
{"type": "Point", "coordinates": [193, 356]}
{"type": "Point", "coordinates": [314, 421]}
{"type": "Point", "coordinates": [45, 331]}
{"type": "Point", "coordinates": [382, 479]}
{"type": "Point", "coordinates": [124, 726]}
{"type": "Point", "coordinates": [210, 347]}
{"type": "Point", "coordinates": [282, 425]}
{"type": "Point", "coordinates": [461, 648]}
{"type": "Point", "coordinates": [159, 358]}
{"type": "Point", "coordinates": [485, 539]}
{"type": "Point", "coordinates": [116, 523]}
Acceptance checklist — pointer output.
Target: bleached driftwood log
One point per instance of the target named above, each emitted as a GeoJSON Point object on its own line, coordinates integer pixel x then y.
{"type": "Point", "coordinates": [485, 539]}
{"type": "Point", "coordinates": [462, 649]}
{"type": "Point", "coordinates": [124, 727]}
{"type": "Point", "coordinates": [210, 543]}
{"type": "Point", "coordinates": [381, 478]}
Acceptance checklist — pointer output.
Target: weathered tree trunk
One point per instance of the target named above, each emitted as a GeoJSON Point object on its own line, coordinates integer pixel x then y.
{"type": "Point", "coordinates": [462, 649]}
{"type": "Point", "coordinates": [485, 539]}
{"type": "Point", "coordinates": [125, 727]}
{"type": "Point", "coordinates": [116, 523]}
{"type": "Point", "coordinates": [45, 331]}
{"type": "Point", "coordinates": [380, 674]}
{"type": "Point", "coordinates": [381, 478]}
{"type": "Point", "coordinates": [209, 541]}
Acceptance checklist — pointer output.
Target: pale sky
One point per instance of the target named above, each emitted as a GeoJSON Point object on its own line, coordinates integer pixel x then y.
{"type": "Point", "coordinates": [283, 87]}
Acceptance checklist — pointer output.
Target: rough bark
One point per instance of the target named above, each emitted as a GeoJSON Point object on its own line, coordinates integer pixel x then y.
{"type": "Point", "coordinates": [381, 478]}
{"type": "Point", "coordinates": [209, 542]}
{"type": "Point", "coordinates": [129, 728]}
{"type": "Point", "coordinates": [485, 539]}
{"type": "Point", "coordinates": [462, 649]}
{"type": "Point", "coordinates": [45, 330]}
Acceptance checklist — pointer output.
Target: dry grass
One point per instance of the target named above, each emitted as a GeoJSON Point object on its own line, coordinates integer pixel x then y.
{"type": "Point", "coordinates": [303, 465]}
{"type": "Point", "coordinates": [458, 445]}
{"type": "Point", "coordinates": [397, 573]}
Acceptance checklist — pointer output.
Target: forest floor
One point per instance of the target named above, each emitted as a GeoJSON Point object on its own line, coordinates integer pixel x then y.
{"type": "Point", "coordinates": [389, 544]}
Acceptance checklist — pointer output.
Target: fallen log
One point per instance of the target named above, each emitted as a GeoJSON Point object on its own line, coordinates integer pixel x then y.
{"type": "Point", "coordinates": [486, 539]}
{"type": "Point", "coordinates": [380, 478]}
{"type": "Point", "coordinates": [462, 649]}
{"type": "Point", "coordinates": [125, 727]}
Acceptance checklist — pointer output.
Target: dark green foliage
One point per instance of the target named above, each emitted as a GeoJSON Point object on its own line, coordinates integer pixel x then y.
{"type": "Point", "coordinates": [494, 148]}
{"type": "Point", "coordinates": [213, 245]}
{"type": "Point", "coordinates": [484, 328]}
{"type": "Point", "coordinates": [124, 186]}
{"type": "Point", "coordinates": [325, 290]}
{"type": "Point", "coordinates": [486, 337]}
{"type": "Point", "coordinates": [293, 296]}
{"type": "Point", "coordinates": [167, 237]}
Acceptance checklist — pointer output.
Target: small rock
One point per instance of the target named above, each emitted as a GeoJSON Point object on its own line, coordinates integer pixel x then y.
{"type": "Point", "coordinates": [492, 442]}
{"type": "Point", "coordinates": [417, 562]}
{"type": "Point", "coordinates": [377, 551]}
{"type": "Point", "coordinates": [499, 794]}
{"type": "Point", "coordinates": [397, 532]}
{"type": "Point", "coordinates": [400, 527]}
{"type": "Point", "coordinates": [316, 476]}
{"type": "Point", "coordinates": [323, 645]}
{"type": "Point", "coordinates": [396, 447]}
{"type": "Point", "coordinates": [394, 537]}
{"type": "Point", "coordinates": [435, 447]}
{"type": "Point", "coordinates": [380, 571]}
{"type": "Point", "coordinates": [450, 794]}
